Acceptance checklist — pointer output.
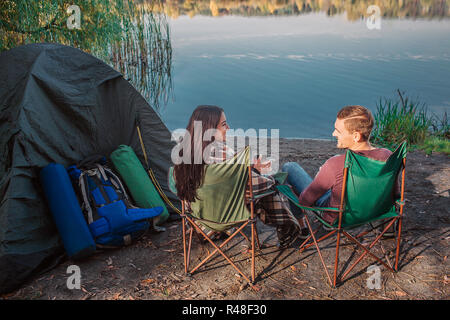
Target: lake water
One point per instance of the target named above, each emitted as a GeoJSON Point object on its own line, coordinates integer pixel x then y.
{"type": "Point", "coordinates": [293, 73]}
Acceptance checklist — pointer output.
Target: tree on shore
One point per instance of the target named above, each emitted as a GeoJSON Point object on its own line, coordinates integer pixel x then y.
{"type": "Point", "coordinates": [127, 35]}
{"type": "Point", "coordinates": [354, 9]}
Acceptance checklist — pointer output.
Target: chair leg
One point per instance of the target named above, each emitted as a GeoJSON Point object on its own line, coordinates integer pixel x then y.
{"type": "Point", "coordinates": [304, 247]}
{"type": "Point", "coordinates": [183, 222]}
{"type": "Point", "coordinates": [218, 249]}
{"type": "Point", "coordinates": [398, 243]}
{"type": "Point", "coordinates": [189, 248]}
{"type": "Point", "coordinates": [336, 261]}
{"type": "Point", "coordinates": [253, 250]}
{"type": "Point", "coordinates": [318, 251]}
{"type": "Point", "coordinates": [366, 251]}
{"type": "Point", "coordinates": [257, 238]}
{"type": "Point", "coordinates": [245, 237]}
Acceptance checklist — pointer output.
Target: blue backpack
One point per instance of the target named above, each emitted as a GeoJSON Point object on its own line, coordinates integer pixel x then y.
{"type": "Point", "coordinates": [112, 220]}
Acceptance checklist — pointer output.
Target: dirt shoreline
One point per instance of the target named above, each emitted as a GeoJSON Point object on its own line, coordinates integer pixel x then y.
{"type": "Point", "coordinates": [153, 268]}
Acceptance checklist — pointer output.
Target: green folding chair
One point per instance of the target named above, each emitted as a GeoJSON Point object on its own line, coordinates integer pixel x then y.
{"type": "Point", "coordinates": [367, 197]}
{"type": "Point", "coordinates": [221, 207]}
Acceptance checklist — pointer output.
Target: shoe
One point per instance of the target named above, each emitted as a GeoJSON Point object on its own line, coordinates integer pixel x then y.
{"type": "Point", "coordinates": [286, 241]}
{"type": "Point", "coordinates": [304, 233]}
{"type": "Point", "coordinates": [391, 232]}
{"type": "Point", "coordinates": [286, 235]}
{"type": "Point", "coordinates": [327, 228]}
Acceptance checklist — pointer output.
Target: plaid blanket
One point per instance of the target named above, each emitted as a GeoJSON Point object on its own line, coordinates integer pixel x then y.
{"type": "Point", "coordinates": [272, 209]}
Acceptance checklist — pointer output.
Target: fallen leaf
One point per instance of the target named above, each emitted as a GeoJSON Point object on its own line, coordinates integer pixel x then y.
{"type": "Point", "coordinates": [175, 277]}
{"type": "Point", "coordinates": [113, 268]}
{"type": "Point", "coordinates": [170, 242]}
{"type": "Point", "coordinates": [116, 296]}
{"type": "Point", "coordinates": [276, 290]}
{"type": "Point", "coordinates": [109, 261]}
{"type": "Point", "coordinates": [147, 281]}
{"type": "Point", "coordinates": [256, 288]}
{"type": "Point", "coordinates": [84, 290]}
{"type": "Point", "coordinates": [293, 268]}
{"type": "Point", "coordinates": [400, 293]}
{"type": "Point", "coordinates": [299, 281]}
{"type": "Point", "coordinates": [305, 265]}
{"type": "Point", "coordinates": [312, 288]}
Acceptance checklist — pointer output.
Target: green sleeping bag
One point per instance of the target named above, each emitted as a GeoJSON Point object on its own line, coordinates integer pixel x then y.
{"type": "Point", "coordinates": [137, 180]}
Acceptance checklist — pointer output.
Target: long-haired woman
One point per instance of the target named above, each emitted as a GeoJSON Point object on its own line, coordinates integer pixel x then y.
{"type": "Point", "coordinates": [208, 120]}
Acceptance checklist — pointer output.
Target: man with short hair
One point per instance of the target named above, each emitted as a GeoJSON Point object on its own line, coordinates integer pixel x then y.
{"type": "Point", "coordinates": [352, 130]}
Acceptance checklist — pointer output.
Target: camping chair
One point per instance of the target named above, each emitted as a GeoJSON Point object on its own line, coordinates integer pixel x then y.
{"type": "Point", "coordinates": [367, 196]}
{"type": "Point", "coordinates": [221, 206]}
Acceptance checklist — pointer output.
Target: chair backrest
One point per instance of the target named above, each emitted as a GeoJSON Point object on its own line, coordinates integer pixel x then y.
{"type": "Point", "coordinates": [221, 203]}
{"type": "Point", "coordinates": [369, 187]}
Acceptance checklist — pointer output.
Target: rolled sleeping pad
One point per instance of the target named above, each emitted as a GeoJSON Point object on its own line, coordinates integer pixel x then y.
{"type": "Point", "coordinates": [137, 180]}
{"type": "Point", "coordinates": [66, 211]}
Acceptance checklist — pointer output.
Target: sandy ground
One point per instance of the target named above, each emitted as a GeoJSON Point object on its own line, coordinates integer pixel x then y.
{"type": "Point", "coordinates": [153, 268]}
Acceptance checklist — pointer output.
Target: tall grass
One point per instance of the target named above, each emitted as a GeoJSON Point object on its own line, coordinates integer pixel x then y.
{"type": "Point", "coordinates": [129, 35]}
{"type": "Point", "coordinates": [436, 144]}
{"type": "Point", "coordinates": [405, 119]}
{"type": "Point", "coordinates": [441, 127]}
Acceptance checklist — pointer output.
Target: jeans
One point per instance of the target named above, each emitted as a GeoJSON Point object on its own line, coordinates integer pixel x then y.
{"type": "Point", "coordinates": [300, 180]}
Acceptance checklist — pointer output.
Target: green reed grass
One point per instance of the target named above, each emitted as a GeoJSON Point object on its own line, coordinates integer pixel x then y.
{"type": "Point", "coordinates": [127, 35]}
{"type": "Point", "coordinates": [405, 119]}
{"type": "Point", "coordinates": [436, 144]}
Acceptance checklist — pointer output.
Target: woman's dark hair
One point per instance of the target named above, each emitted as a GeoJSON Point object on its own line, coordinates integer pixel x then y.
{"type": "Point", "coordinates": [190, 176]}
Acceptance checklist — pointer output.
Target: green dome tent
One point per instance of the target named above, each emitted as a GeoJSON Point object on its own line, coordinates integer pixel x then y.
{"type": "Point", "coordinates": [60, 104]}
